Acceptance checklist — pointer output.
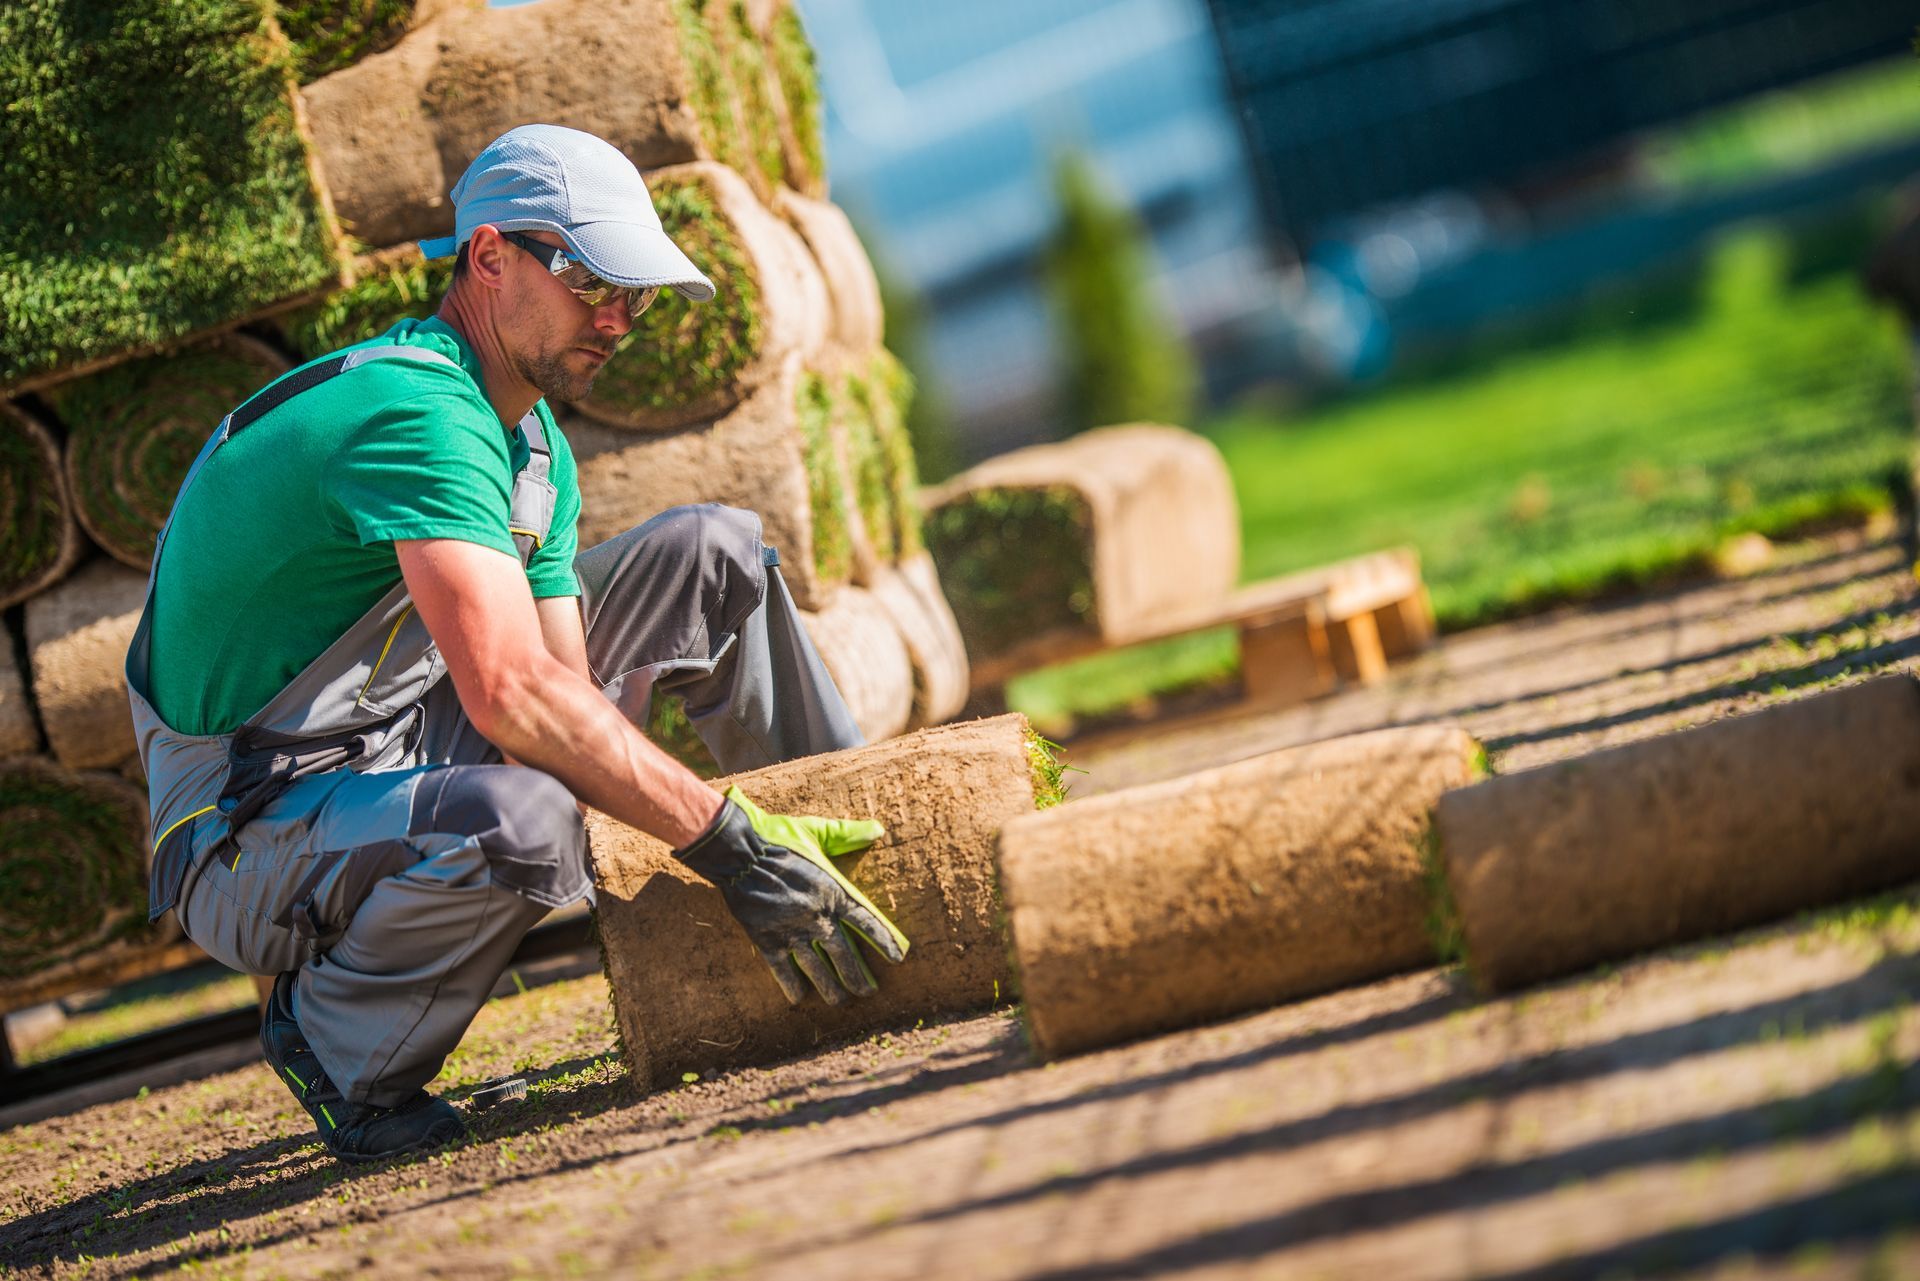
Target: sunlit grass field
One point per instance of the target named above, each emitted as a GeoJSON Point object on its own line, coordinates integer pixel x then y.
{"type": "Point", "coordinates": [1563, 474]}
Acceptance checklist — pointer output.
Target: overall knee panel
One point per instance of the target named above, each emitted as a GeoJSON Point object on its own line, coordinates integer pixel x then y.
{"type": "Point", "coordinates": [527, 823]}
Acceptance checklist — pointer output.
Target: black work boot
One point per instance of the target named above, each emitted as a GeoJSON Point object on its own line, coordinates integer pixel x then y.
{"type": "Point", "coordinates": [351, 1131]}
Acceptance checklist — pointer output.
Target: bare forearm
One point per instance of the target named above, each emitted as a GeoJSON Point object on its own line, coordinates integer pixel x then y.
{"type": "Point", "coordinates": [554, 720]}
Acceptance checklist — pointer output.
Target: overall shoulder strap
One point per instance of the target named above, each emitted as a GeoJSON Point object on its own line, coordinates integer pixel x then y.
{"type": "Point", "coordinates": [278, 393]}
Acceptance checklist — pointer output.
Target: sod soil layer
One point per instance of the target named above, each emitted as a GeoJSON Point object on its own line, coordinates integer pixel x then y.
{"type": "Point", "coordinates": [1746, 1108]}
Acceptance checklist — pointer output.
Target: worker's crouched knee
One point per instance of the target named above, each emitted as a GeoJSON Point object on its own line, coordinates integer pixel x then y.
{"type": "Point", "coordinates": [713, 536]}
{"type": "Point", "coordinates": [721, 547]}
{"type": "Point", "coordinates": [526, 822]}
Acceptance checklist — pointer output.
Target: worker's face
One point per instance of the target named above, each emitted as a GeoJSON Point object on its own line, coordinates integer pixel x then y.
{"type": "Point", "coordinates": [557, 342]}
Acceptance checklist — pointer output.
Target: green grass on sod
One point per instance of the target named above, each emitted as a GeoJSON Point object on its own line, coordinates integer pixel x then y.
{"type": "Point", "coordinates": [327, 34]}
{"type": "Point", "coordinates": [1564, 474]}
{"type": "Point", "coordinates": [152, 183]}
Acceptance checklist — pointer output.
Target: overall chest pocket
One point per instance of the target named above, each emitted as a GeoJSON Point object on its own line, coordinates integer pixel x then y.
{"type": "Point", "coordinates": [531, 515]}
{"type": "Point", "coordinates": [407, 666]}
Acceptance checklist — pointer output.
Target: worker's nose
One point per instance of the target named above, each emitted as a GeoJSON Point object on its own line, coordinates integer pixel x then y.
{"type": "Point", "coordinates": [612, 317]}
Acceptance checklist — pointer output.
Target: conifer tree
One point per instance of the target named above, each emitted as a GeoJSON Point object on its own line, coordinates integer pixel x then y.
{"type": "Point", "coordinates": [1121, 356]}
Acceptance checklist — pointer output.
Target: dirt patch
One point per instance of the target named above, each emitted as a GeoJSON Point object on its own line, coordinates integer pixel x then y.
{"type": "Point", "coordinates": [1747, 1108]}
{"type": "Point", "coordinates": [1759, 1098]}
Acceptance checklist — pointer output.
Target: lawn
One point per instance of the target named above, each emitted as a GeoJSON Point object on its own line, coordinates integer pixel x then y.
{"type": "Point", "coordinates": [1562, 474]}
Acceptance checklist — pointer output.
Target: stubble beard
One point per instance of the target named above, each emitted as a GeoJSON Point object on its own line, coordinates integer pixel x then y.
{"type": "Point", "coordinates": [549, 374]}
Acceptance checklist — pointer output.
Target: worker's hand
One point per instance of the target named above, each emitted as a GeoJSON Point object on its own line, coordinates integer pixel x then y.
{"type": "Point", "coordinates": [775, 874]}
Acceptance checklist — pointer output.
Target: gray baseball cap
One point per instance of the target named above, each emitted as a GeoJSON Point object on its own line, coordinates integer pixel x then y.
{"type": "Point", "coordinates": [548, 178]}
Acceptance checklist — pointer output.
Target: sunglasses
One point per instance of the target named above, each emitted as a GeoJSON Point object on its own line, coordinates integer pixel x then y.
{"type": "Point", "coordinates": [580, 280]}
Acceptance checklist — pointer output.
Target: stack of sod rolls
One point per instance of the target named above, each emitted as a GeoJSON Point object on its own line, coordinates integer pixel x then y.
{"type": "Point", "coordinates": [253, 147]}
{"type": "Point", "coordinates": [270, 163]}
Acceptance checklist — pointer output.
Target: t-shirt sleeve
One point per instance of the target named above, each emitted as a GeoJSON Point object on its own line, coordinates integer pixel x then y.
{"type": "Point", "coordinates": [428, 466]}
{"type": "Point", "coordinates": [550, 571]}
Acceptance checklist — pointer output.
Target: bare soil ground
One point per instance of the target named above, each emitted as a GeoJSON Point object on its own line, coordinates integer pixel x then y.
{"type": "Point", "coordinates": [1747, 1108]}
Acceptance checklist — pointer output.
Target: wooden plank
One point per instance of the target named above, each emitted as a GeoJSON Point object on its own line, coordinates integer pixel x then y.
{"type": "Point", "coordinates": [1406, 625]}
{"type": "Point", "coordinates": [1383, 588]}
{"type": "Point", "coordinates": [1285, 657]}
{"type": "Point", "coordinates": [1355, 643]}
{"type": "Point", "coordinates": [1368, 583]}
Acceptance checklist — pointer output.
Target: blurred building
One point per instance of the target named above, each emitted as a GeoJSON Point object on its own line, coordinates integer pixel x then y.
{"type": "Point", "coordinates": [1323, 179]}
{"type": "Point", "coordinates": [943, 123]}
{"type": "Point", "coordinates": [1441, 165]}
{"type": "Point", "coordinates": [1349, 104]}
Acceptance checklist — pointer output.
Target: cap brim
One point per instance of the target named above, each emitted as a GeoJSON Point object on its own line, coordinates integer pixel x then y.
{"type": "Point", "coordinates": [627, 253]}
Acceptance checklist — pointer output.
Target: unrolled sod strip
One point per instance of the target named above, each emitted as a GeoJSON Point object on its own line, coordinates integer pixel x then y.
{"type": "Point", "coordinates": [133, 431]}
{"type": "Point", "coordinates": [690, 362]}
{"type": "Point", "coordinates": [394, 132]}
{"type": "Point", "coordinates": [766, 455]}
{"type": "Point", "coordinates": [77, 639]}
{"type": "Point", "coordinates": [1108, 533]}
{"type": "Point", "coordinates": [868, 660]}
{"type": "Point", "coordinates": [73, 884]}
{"type": "Point", "coordinates": [1174, 904]}
{"type": "Point", "coordinates": [1688, 835]}
{"type": "Point", "coordinates": [691, 992]}
{"type": "Point", "coordinates": [910, 594]}
{"type": "Point", "coordinates": [41, 538]}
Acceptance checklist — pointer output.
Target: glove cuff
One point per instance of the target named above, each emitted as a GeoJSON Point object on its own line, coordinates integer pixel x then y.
{"type": "Point", "coordinates": [727, 850]}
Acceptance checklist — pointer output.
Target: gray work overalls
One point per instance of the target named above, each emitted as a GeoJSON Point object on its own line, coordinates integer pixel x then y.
{"type": "Point", "coordinates": [357, 828]}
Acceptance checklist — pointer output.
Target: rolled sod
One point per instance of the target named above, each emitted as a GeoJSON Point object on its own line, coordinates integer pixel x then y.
{"type": "Point", "coordinates": [153, 180]}
{"type": "Point", "coordinates": [77, 639]}
{"type": "Point", "coordinates": [755, 90]}
{"type": "Point", "coordinates": [910, 594]}
{"type": "Point", "coordinates": [19, 731]}
{"type": "Point", "coordinates": [690, 362]}
{"type": "Point", "coordinates": [1165, 906]}
{"type": "Point", "coordinates": [1109, 532]}
{"type": "Point", "coordinates": [883, 484]}
{"type": "Point", "coordinates": [394, 131]}
{"type": "Point", "coordinates": [327, 35]}
{"type": "Point", "coordinates": [865, 470]}
{"type": "Point", "coordinates": [791, 61]}
{"type": "Point", "coordinates": [391, 287]}
{"type": "Point", "coordinates": [771, 455]}
{"type": "Point", "coordinates": [40, 540]}
{"type": "Point", "coordinates": [134, 429]}
{"type": "Point", "coordinates": [691, 993]}
{"type": "Point", "coordinates": [1686, 836]}
{"type": "Point", "coordinates": [858, 320]}
{"type": "Point", "coordinates": [867, 659]}
{"type": "Point", "coordinates": [74, 879]}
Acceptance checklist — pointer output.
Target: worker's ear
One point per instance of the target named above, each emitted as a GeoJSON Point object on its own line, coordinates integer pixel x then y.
{"type": "Point", "coordinates": [487, 252]}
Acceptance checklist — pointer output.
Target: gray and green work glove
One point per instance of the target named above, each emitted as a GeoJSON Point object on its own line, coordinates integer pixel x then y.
{"type": "Point", "coordinates": [776, 875]}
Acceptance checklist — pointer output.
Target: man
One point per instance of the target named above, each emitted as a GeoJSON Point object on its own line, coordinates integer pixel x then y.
{"type": "Point", "coordinates": [372, 676]}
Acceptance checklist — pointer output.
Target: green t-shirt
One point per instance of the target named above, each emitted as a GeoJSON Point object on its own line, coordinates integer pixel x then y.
{"type": "Point", "coordinates": [286, 536]}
